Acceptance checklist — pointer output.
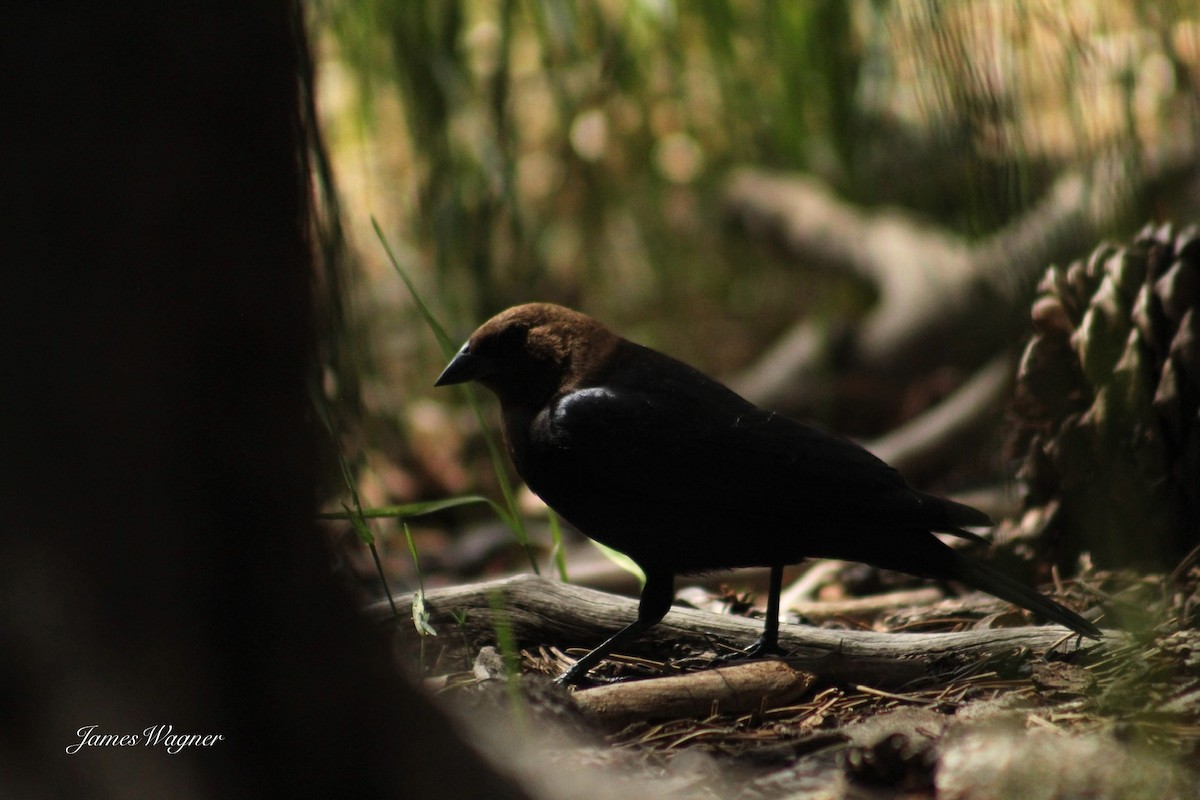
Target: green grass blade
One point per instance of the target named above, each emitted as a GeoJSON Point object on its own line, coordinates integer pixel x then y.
{"type": "Point", "coordinates": [356, 516]}
{"type": "Point", "coordinates": [444, 341]}
{"type": "Point", "coordinates": [506, 643]}
{"type": "Point", "coordinates": [357, 521]}
{"type": "Point", "coordinates": [411, 509]}
{"type": "Point", "coordinates": [623, 561]}
{"type": "Point", "coordinates": [558, 555]}
{"type": "Point", "coordinates": [513, 517]}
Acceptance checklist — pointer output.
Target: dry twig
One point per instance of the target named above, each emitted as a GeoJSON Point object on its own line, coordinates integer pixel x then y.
{"type": "Point", "coordinates": [738, 689]}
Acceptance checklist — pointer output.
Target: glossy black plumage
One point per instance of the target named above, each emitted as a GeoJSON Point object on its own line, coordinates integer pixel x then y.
{"type": "Point", "coordinates": [655, 459]}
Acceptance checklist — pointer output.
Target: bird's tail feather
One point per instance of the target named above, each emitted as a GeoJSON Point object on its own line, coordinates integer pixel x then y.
{"type": "Point", "coordinates": [981, 576]}
{"type": "Point", "coordinates": [945, 514]}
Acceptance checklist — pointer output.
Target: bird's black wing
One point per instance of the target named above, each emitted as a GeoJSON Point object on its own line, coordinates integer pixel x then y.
{"type": "Point", "coordinates": [661, 444]}
{"type": "Point", "coordinates": [680, 451]}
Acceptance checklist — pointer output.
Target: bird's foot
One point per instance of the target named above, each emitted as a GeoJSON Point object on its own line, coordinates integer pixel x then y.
{"type": "Point", "coordinates": [572, 676]}
{"type": "Point", "coordinates": [761, 648]}
{"type": "Point", "coordinates": [580, 673]}
{"type": "Point", "coordinates": [584, 682]}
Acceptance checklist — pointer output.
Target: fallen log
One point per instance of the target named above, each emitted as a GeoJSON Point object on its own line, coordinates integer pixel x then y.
{"type": "Point", "coordinates": [536, 611]}
{"type": "Point", "coordinates": [933, 284]}
{"type": "Point", "coordinates": [736, 689]}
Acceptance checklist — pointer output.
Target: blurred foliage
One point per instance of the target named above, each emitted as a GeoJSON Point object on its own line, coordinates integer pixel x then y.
{"type": "Point", "coordinates": [574, 151]}
{"type": "Point", "coordinates": [569, 151]}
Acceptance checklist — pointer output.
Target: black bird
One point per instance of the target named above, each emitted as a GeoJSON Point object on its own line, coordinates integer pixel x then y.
{"type": "Point", "coordinates": [660, 462]}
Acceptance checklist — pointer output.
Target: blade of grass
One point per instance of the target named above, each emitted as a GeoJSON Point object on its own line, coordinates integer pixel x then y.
{"type": "Point", "coordinates": [513, 517]}
{"type": "Point", "coordinates": [357, 517]}
{"type": "Point", "coordinates": [423, 507]}
{"type": "Point", "coordinates": [412, 509]}
{"type": "Point", "coordinates": [506, 643]}
{"type": "Point", "coordinates": [623, 561]}
{"type": "Point", "coordinates": [460, 619]}
{"type": "Point", "coordinates": [363, 530]}
{"type": "Point", "coordinates": [557, 554]}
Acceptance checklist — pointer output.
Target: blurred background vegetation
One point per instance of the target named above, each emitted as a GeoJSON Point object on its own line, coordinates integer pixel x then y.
{"type": "Point", "coordinates": [577, 151]}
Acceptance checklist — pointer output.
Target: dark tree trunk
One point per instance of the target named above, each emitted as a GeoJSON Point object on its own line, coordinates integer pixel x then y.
{"type": "Point", "coordinates": [160, 561]}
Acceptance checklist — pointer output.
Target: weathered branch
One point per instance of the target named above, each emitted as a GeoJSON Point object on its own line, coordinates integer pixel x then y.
{"type": "Point", "coordinates": [729, 690]}
{"type": "Point", "coordinates": [864, 606]}
{"type": "Point", "coordinates": [917, 447]}
{"type": "Point", "coordinates": [933, 284]}
{"type": "Point", "coordinates": [540, 611]}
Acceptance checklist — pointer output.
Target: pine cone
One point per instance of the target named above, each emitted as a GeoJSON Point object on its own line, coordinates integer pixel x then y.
{"type": "Point", "coordinates": [1108, 403]}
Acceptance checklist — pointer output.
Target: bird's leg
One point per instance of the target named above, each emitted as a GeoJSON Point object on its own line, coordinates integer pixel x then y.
{"type": "Point", "coordinates": [653, 606]}
{"type": "Point", "coordinates": [768, 643]}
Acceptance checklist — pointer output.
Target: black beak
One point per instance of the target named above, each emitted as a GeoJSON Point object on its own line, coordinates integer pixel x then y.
{"type": "Point", "coordinates": [464, 367]}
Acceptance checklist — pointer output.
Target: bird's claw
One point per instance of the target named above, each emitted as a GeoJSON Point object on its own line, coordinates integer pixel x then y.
{"type": "Point", "coordinates": [569, 678]}
{"type": "Point", "coordinates": [760, 649]}
{"type": "Point", "coordinates": [575, 678]}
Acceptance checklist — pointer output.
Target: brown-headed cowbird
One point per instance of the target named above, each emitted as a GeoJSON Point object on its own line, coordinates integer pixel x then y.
{"type": "Point", "coordinates": [660, 462]}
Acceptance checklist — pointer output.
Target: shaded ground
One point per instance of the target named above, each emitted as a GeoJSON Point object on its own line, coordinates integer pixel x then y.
{"type": "Point", "coordinates": [1124, 717]}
